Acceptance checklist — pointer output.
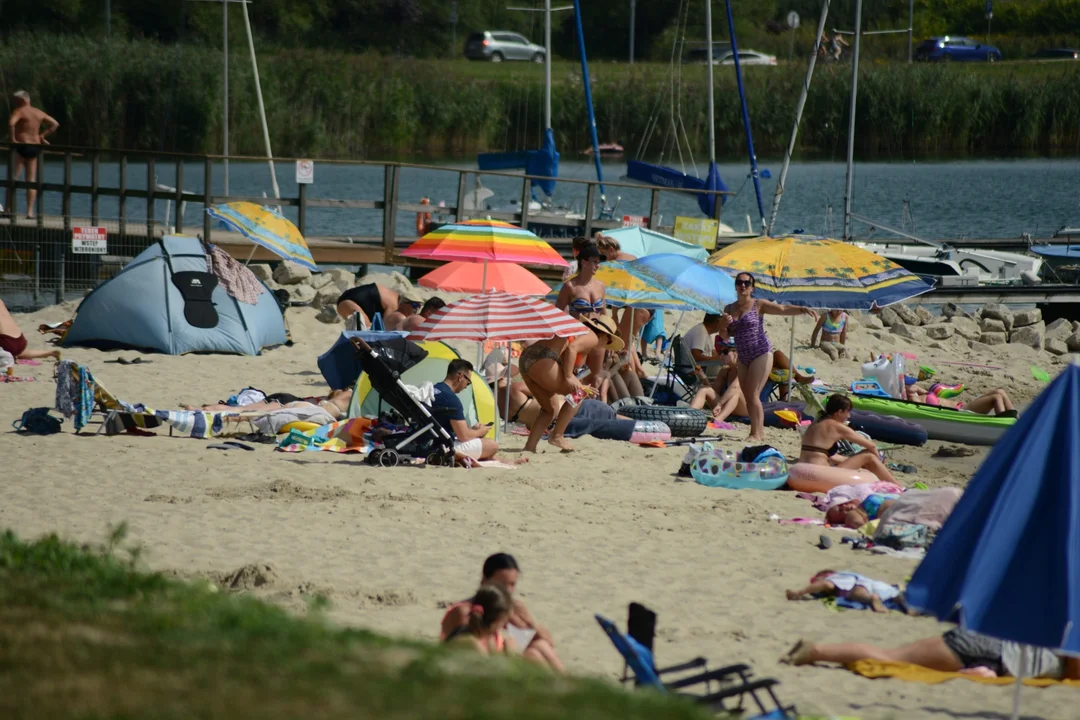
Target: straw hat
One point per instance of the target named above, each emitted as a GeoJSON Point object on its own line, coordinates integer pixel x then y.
{"type": "Point", "coordinates": [604, 324]}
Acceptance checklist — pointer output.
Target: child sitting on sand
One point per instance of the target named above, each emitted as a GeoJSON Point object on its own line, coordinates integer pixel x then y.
{"type": "Point", "coordinates": [488, 612]}
{"type": "Point", "coordinates": [852, 586]}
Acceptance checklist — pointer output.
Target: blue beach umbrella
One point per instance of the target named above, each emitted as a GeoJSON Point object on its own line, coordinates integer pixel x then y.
{"type": "Point", "coordinates": [639, 242]}
{"type": "Point", "coordinates": [1007, 561]}
{"type": "Point", "coordinates": [703, 286]}
{"type": "Point", "coordinates": [622, 289]}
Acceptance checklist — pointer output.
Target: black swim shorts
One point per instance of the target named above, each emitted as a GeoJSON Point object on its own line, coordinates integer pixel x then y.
{"type": "Point", "coordinates": [366, 297]}
{"type": "Point", "coordinates": [974, 650]}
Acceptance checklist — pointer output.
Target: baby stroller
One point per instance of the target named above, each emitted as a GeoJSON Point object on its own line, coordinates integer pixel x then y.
{"type": "Point", "coordinates": [425, 437]}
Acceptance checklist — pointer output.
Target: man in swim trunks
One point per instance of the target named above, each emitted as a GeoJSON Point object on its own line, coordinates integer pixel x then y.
{"type": "Point", "coordinates": [372, 299]}
{"type": "Point", "coordinates": [25, 127]}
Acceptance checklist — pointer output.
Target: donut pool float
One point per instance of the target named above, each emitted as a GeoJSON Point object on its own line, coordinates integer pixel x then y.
{"type": "Point", "coordinates": [722, 468]}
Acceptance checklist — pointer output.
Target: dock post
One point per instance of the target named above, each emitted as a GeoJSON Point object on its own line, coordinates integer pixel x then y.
{"type": "Point", "coordinates": [40, 191]}
{"type": "Point", "coordinates": [62, 246]}
{"type": "Point", "coordinates": [526, 195]}
{"type": "Point", "coordinates": [123, 196]}
{"type": "Point", "coordinates": [151, 211]}
{"type": "Point", "coordinates": [390, 197]}
{"type": "Point", "coordinates": [590, 198]}
{"type": "Point", "coordinates": [179, 195]}
{"type": "Point", "coordinates": [654, 208]}
{"type": "Point", "coordinates": [95, 175]}
{"type": "Point", "coordinates": [208, 182]}
{"type": "Point", "coordinates": [301, 216]}
{"type": "Point", "coordinates": [12, 202]}
{"type": "Point", "coordinates": [459, 210]}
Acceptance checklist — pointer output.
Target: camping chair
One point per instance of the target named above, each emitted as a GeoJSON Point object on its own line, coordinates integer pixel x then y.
{"type": "Point", "coordinates": [115, 416]}
{"type": "Point", "coordinates": [680, 366]}
{"type": "Point", "coordinates": [735, 682]}
{"type": "Point", "coordinates": [422, 424]}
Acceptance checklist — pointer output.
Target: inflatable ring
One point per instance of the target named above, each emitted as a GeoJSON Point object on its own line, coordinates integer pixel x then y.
{"type": "Point", "coordinates": [682, 421]}
{"type": "Point", "coordinates": [722, 468]}
{"type": "Point", "coordinates": [646, 431]}
{"type": "Point", "coordinates": [807, 477]}
{"type": "Point", "coordinates": [298, 426]}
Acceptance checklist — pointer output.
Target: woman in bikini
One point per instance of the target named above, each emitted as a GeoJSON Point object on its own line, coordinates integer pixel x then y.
{"type": "Point", "coordinates": [336, 404]}
{"type": "Point", "coordinates": [13, 340]}
{"type": "Point", "coordinates": [743, 321]}
{"type": "Point", "coordinates": [815, 470]}
{"type": "Point", "coordinates": [583, 294]}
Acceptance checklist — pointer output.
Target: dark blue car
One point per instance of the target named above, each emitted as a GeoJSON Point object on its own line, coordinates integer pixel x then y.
{"type": "Point", "coordinates": [953, 48]}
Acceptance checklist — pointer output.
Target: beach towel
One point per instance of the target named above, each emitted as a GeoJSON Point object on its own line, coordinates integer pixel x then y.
{"type": "Point", "coordinates": [654, 329]}
{"type": "Point", "coordinates": [235, 278]}
{"type": "Point", "coordinates": [346, 436]}
{"type": "Point", "coordinates": [919, 674]}
{"type": "Point", "coordinates": [74, 392]}
{"type": "Point", "coordinates": [272, 422]}
{"type": "Point", "coordinates": [922, 507]}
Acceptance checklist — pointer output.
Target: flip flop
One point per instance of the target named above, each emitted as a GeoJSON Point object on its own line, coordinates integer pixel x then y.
{"type": "Point", "coordinates": [240, 445]}
{"type": "Point", "coordinates": [221, 447]}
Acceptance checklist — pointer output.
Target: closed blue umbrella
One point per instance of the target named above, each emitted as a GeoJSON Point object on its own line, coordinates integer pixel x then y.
{"type": "Point", "coordinates": [1007, 561]}
{"type": "Point", "coordinates": [687, 279]}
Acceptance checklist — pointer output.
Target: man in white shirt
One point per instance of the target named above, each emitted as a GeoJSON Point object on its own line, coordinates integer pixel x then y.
{"type": "Point", "coordinates": [698, 340]}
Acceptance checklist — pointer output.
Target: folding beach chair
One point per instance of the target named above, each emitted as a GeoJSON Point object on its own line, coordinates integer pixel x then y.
{"type": "Point", "coordinates": [112, 415]}
{"type": "Point", "coordinates": [733, 683]}
{"type": "Point", "coordinates": [424, 430]}
{"type": "Point", "coordinates": [680, 366]}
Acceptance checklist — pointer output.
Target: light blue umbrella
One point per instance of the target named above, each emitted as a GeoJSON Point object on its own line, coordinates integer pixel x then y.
{"type": "Point", "coordinates": [639, 242]}
{"type": "Point", "coordinates": [703, 286]}
{"type": "Point", "coordinates": [623, 289]}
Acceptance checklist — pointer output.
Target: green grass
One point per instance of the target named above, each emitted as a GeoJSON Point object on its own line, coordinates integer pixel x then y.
{"type": "Point", "coordinates": [84, 634]}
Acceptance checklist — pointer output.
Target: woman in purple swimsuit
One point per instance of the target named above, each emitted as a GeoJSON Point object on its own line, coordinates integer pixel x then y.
{"type": "Point", "coordinates": [743, 320]}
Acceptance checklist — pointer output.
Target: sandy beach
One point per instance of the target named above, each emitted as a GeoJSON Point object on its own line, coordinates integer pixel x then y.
{"type": "Point", "coordinates": [593, 530]}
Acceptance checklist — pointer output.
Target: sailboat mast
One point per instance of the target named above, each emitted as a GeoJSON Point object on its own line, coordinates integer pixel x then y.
{"type": "Point", "coordinates": [588, 98]}
{"type": "Point", "coordinates": [851, 120]}
{"type": "Point", "coordinates": [547, 64]}
{"type": "Point", "coordinates": [709, 80]}
{"type": "Point", "coordinates": [745, 116]}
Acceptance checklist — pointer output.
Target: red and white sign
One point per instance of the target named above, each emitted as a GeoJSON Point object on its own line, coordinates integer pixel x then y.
{"type": "Point", "coordinates": [635, 221]}
{"type": "Point", "coordinates": [89, 240]}
{"type": "Point", "coordinates": [305, 172]}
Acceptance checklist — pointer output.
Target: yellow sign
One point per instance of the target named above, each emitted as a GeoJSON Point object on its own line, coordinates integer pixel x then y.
{"type": "Point", "coordinates": [697, 231]}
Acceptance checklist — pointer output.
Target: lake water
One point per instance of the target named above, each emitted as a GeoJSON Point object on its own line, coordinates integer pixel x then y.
{"type": "Point", "coordinates": [947, 200]}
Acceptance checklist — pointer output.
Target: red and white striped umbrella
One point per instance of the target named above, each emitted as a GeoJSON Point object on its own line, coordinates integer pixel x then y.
{"type": "Point", "coordinates": [498, 316]}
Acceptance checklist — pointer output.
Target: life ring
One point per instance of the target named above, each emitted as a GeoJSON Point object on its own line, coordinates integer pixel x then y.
{"type": "Point", "coordinates": [682, 421]}
{"type": "Point", "coordinates": [423, 219]}
{"type": "Point", "coordinates": [722, 468]}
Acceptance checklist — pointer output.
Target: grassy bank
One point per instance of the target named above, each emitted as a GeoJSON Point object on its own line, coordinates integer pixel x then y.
{"type": "Point", "coordinates": [145, 95]}
{"type": "Point", "coordinates": [86, 635]}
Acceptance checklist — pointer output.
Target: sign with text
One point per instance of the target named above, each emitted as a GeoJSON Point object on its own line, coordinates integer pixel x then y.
{"type": "Point", "coordinates": [635, 221]}
{"type": "Point", "coordinates": [305, 172]}
{"type": "Point", "coordinates": [89, 240]}
{"type": "Point", "coordinates": [697, 231]}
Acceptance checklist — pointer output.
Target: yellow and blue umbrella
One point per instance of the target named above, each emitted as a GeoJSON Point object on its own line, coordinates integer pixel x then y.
{"type": "Point", "coordinates": [817, 272]}
{"type": "Point", "coordinates": [626, 290]}
{"type": "Point", "coordinates": [265, 226]}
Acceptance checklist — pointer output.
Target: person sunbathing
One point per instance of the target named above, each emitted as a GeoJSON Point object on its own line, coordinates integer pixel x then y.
{"type": "Point", "coordinates": [997, 401]}
{"type": "Point", "coordinates": [336, 404]}
{"type": "Point", "coordinates": [851, 586]}
{"type": "Point", "coordinates": [958, 650]}
{"type": "Point", "coordinates": [14, 341]}
{"type": "Point", "coordinates": [819, 470]}
{"type": "Point", "coordinates": [501, 570]}
{"type": "Point", "coordinates": [854, 514]}
{"type": "Point", "coordinates": [488, 611]}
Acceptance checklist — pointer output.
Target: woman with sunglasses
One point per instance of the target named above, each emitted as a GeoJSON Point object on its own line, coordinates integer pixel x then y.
{"type": "Point", "coordinates": [744, 323]}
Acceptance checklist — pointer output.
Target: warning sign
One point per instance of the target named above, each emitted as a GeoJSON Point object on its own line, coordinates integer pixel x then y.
{"type": "Point", "coordinates": [635, 221]}
{"type": "Point", "coordinates": [305, 172]}
{"type": "Point", "coordinates": [697, 231]}
{"type": "Point", "coordinates": [89, 240]}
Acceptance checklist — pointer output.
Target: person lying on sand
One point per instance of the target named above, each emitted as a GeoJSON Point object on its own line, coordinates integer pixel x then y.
{"type": "Point", "coordinates": [855, 514]}
{"type": "Point", "coordinates": [958, 650]}
{"type": "Point", "coordinates": [852, 586]}
{"type": "Point", "coordinates": [488, 611]}
{"type": "Point", "coordinates": [336, 404]}
{"type": "Point", "coordinates": [818, 470]}
{"type": "Point", "coordinates": [14, 341]}
{"type": "Point", "coordinates": [997, 401]}
{"type": "Point", "coordinates": [501, 569]}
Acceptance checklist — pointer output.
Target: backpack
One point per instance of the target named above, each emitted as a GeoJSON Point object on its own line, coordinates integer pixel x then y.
{"type": "Point", "coordinates": [37, 421]}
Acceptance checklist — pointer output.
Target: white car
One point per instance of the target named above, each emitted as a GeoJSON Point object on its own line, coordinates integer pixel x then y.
{"type": "Point", "coordinates": [746, 57]}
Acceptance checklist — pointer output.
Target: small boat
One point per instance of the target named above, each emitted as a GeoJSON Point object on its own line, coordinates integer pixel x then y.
{"type": "Point", "coordinates": [605, 149]}
{"type": "Point", "coordinates": [940, 423]}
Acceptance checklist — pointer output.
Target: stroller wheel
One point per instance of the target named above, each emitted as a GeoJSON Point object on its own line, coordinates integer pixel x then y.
{"type": "Point", "coordinates": [435, 459]}
{"type": "Point", "coordinates": [388, 458]}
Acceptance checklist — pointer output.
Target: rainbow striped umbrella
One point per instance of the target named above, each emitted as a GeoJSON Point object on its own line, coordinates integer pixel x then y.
{"type": "Point", "coordinates": [483, 241]}
{"type": "Point", "coordinates": [626, 290]}
{"type": "Point", "coordinates": [265, 226]}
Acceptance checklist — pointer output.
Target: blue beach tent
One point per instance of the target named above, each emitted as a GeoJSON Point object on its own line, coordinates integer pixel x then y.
{"type": "Point", "coordinates": [167, 300]}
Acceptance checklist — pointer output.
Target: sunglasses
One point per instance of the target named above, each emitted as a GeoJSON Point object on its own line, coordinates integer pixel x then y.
{"type": "Point", "coordinates": [744, 283]}
{"type": "Point", "coordinates": [415, 305]}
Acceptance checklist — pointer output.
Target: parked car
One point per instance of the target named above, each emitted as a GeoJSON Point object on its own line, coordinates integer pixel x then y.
{"type": "Point", "coordinates": [499, 45]}
{"type": "Point", "coordinates": [1058, 54]}
{"type": "Point", "coordinates": [747, 57]}
{"type": "Point", "coordinates": [700, 53]}
{"type": "Point", "coordinates": [953, 48]}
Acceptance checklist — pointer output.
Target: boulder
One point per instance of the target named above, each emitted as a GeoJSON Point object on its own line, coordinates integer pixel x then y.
{"type": "Point", "coordinates": [906, 315]}
{"type": "Point", "coordinates": [951, 309]}
{"type": "Point", "coordinates": [997, 311]}
{"type": "Point", "coordinates": [904, 330]}
{"type": "Point", "coordinates": [854, 321]}
{"type": "Point", "coordinates": [300, 294]}
{"type": "Point", "coordinates": [965, 327]}
{"type": "Point", "coordinates": [328, 315]}
{"type": "Point", "coordinates": [262, 271]}
{"type": "Point", "coordinates": [1027, 317]}
{"type": "Point", "coordinates": [889, 316]}
{"type": "Point", "coordinates": [981, 348]}
{"type": "Point", "coordinates": [925, 316]}
{"type": "Point", "coordinates": [326, 296]}
{"type": "Point", "coordinates": [321, 280]}
{"type": "Point", "coordinates": [1073, 342]}
{"type": "Point", "coordinates": [994, 338]}
{"type": "Point", "coordinates": [872, 322]}
{"type": "Point", "coordinates": [940, 332]}
{"type": "Point", "coordinates": [1055, 347]}
{"type": "Point", "coordinates": [1032, 336]}
{"type": "Point", "coordinates": [991, 325]}
{"type": "Point", "coordinates": [1059, 329]}
{"type": "Point", "coordinates": [289, 273]}
{"type": "Point", "coordinates": [344, 279]}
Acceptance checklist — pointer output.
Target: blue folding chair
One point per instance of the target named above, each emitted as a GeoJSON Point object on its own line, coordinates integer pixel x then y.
{"type": "Point", "coordinates": [735, 682]}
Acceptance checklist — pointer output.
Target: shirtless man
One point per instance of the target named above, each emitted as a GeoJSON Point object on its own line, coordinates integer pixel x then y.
{"type": "Point", "coordinates": [25, 126]}
{"type": "Point", "coordinates": [371, 299]}
{"type": "Point", "coordinates": [431, 306]}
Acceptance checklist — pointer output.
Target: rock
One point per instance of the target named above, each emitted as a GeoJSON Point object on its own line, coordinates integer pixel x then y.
{"type": "Point", "coordinates": [907, 315]}
{"type": "Point", "coordinates": [951, 309]}
{"type": "Point", "coordinates": [1076, 325]}
{"type": "Point", "coordinates": [991, 325]}
{"type": "Point", "coordinates": [300, 294]}
{"type": "Point", "coordinates": [904, 330]}
{"type": "Point", "coordinates": [940, 332]}
{"type": "Point", "coordinates": [1027, 317]}
{"type": "Point", "coordinates": [1073, 342]}
{"type": "Point", "coordinates": [321, 280]}
{"type": "Point", "coordinates": [292, 274]}
{"type": "Point", "coordinates": [872, 322]}
{"type": "Point", "coordinates": [262, 271]}
{"type": "Point", "coordinates": [1032, 336]}
{"type": "Point", "coordinates": [876, 334]}
{"type": "Point", "coordinates": [854, 321]}
{"type": "Point", "coordinates": [925, 316]}
{"type": "Point", "coordinates": [328, 315]}
{"type": "Point", "coordinates": [979, 347]}
{"type": "Point", "coordinates": [344, 279]}
{"type": "Point", "coordinates": [994, 338]}
{"type": "Point", "coordinates": [965, 327]}
{"type": "Point", "coordinates": [1055, 347]}
{"type": "Point", "coordinates": [889, 317]}
{"type": "Point", "coordinates": [954, 451]}
{"type": "Point", "coordinates": [997, 311]}
{"type": "Point", "coordinates": [326, 296]}
{"type": "Point", "coordinates": [1059, 329]}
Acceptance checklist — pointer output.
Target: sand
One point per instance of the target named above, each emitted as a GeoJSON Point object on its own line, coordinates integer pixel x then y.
{"type": "Point", "coordinates": [593, 530]}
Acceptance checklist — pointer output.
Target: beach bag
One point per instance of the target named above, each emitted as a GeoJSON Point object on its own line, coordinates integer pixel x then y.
{"type": "Point", "coordinates": [37, 421]}
{"type": "Point", "coordinates": [901, 536]}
